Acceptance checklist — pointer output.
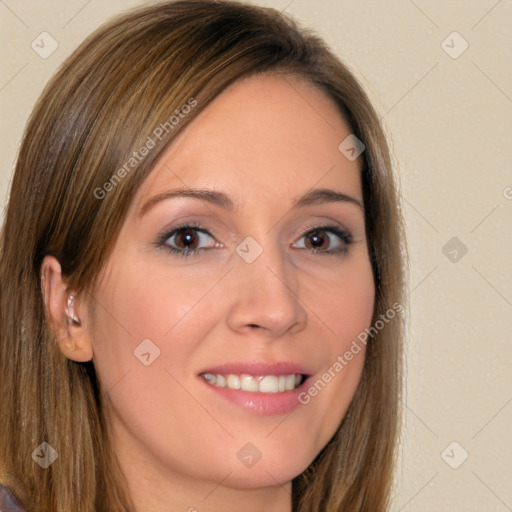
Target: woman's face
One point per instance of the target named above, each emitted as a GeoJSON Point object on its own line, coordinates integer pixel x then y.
{"type": "Point", "coordinates": [248, 295]}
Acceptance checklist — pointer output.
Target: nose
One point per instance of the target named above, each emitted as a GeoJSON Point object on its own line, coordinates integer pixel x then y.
{"type": "Point", "coordinates": [265, 296]}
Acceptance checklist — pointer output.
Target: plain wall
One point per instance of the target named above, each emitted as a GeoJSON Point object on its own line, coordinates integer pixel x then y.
{"type": "Point", "coordinates": [449, 120]}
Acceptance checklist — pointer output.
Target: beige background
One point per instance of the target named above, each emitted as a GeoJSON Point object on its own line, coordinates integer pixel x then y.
{"type": "Point", "coordinates": [450, 123]}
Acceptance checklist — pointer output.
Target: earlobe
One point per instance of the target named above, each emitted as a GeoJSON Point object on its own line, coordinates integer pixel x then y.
{"type": "Point", "coordinates": [63, 313]}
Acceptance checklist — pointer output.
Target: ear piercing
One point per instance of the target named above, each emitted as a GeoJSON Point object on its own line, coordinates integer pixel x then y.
{"type": "Point", "coordinates": [72, 319]}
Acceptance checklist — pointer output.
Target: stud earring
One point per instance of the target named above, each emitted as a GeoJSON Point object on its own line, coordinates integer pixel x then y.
{"type": "Point", "coordinates": [72, 319]}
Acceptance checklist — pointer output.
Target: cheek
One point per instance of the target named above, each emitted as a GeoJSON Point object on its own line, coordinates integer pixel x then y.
{"type": "Point", "coordinates": [345, 308]}
{"type": "Point", "coordinates": [148, 319]}
{"type": "Point", "coordinates": [345, 301]}
{"type": "Point", "coordinates": [146, 334]}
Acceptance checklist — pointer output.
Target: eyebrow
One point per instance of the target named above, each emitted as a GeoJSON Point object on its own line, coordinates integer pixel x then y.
{"type": "Point", "coordinates": [313, 197]}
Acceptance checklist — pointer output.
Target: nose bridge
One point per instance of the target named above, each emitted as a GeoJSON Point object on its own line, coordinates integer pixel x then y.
{"type": "Point", "coordinates": [267, 289]}
{"type": "Point", "coordinates": [271, 270]}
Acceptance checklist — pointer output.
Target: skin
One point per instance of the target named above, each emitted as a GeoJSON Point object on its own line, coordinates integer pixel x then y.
{"type": "Point", "coordinates": [264, 142]}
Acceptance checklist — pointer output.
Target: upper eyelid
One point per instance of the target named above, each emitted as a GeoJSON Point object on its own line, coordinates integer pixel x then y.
{"type": "Point", "coordinates": [203, 229]}
{"type": "Point", "coordinates": [303, 232]}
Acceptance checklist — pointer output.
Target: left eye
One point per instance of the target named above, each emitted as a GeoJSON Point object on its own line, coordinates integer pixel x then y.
{"type": "Point", "coordinates": [325, 239]}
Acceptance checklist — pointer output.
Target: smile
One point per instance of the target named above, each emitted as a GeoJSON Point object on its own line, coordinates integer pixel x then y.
{"type": "Point", "coordinates": [255, 383]}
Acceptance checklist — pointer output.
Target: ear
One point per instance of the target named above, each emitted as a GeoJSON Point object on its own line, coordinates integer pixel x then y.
{"type": "Point", "coordinates": [67, 317]}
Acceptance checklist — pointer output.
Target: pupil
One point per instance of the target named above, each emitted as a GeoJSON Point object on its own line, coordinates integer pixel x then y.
{"type": "Point", "coordinates": [188, 237]}
{"type": "Point", "coordinates": [317, 240]}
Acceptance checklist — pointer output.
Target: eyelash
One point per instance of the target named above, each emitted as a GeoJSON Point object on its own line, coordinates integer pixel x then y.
{"type": "Point", "coordinates": [343, 235]}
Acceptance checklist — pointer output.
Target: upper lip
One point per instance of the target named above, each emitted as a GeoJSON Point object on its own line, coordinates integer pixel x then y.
{"type": "Point", "coordinates": [257, 368]}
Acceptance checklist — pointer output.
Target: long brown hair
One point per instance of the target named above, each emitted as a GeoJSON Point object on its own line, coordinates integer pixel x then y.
{"type": "Point", "coordinates": [124, 80]}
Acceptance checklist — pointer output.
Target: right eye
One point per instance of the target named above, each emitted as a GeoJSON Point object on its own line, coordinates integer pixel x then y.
{"type": "Point", "coordinates": [187, 240]}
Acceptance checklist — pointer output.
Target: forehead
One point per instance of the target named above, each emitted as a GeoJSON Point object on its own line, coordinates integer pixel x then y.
{"type": "Point", "coordinates": [265, 136]}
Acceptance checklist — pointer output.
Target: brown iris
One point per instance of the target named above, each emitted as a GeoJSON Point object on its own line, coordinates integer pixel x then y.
{"type": "Point", "coordinates": [318, 240]}
{"type": "Point", "coordinates": [189, 239]}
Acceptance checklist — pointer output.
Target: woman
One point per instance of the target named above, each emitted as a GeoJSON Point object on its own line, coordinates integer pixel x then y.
{"type": "Point", "coordinates": [202, 275]}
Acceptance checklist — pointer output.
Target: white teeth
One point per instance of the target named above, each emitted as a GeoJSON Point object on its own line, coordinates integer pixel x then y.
{"type": "Point", "coordinates": [247, 383]}
{"type": "Point", "coordinates": [210, 378]}
{"type": "Point", "coordinates": [233, 381]}
{"type": "Point", "coordinates": [269, 384]}
{"type": "Point", "coordinates": [261, 384]}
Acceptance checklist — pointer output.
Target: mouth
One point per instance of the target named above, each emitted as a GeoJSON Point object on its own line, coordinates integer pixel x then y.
{"type": "Point", "coordinates": [261, 388]}
{"type": "Point", "coordinates": [255, 383]}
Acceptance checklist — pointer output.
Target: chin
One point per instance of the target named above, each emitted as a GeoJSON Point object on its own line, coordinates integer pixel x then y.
{"type": "Point", "coordinates": [280, 469]}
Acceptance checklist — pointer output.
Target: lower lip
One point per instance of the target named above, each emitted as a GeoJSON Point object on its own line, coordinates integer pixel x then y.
{"type": "Point", "coordinates": [265, 404]}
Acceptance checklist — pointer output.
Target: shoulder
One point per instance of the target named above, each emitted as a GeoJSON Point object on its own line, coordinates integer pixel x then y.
{"type": "Point", "coordinates": [8, 502]}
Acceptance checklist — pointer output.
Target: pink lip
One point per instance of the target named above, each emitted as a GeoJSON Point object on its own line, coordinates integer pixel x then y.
{"type": "Point", "coordinates": [264, 404]}
{"type": "Point", "coordinates": [257, 368]}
